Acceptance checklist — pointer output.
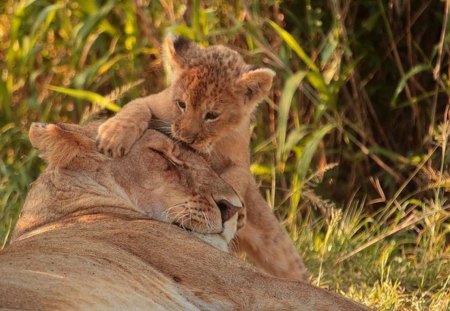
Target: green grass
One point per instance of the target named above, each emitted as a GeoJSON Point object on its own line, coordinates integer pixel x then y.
{"type": "Point", "coordinates": [353, 152]}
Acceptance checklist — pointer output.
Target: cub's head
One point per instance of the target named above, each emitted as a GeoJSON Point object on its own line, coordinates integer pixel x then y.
{"type": "Point", "coordinates": [214, 90]}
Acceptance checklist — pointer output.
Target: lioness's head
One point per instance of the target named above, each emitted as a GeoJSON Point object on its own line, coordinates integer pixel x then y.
{"type": "Point", "coordinates": [214, 90]}
{"type": "Point", "coordinates": [149, 180]}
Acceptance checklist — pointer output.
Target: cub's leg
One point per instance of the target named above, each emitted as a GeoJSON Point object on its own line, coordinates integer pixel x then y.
{"type": "Point", "coordinates": [116, 136]}
{"type": "Point", "coordinates": [266, 242]}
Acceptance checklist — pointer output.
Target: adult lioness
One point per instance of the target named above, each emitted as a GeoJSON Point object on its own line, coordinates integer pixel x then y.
{"type": "Point", "coordinates": [85, 240]}
{"type": "Point", "coordinates": [178, 187]}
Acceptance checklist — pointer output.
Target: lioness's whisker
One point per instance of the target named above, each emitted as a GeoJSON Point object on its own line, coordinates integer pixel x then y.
{"type": "Point", "coordinates": [178, 215]}
{"type": "Point", "coordinates": [206, 220]}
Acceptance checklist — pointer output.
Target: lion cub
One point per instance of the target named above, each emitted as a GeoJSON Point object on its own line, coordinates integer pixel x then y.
{"type": "Point", "coordinates": [209, 106]}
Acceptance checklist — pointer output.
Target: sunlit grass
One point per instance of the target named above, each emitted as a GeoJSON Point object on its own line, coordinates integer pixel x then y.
{"type": "Point", "coordinates": [351, 147]}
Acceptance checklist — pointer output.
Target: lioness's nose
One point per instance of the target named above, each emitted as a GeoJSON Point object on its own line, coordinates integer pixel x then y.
{"type": "Point", "coordinates": [227, 210]}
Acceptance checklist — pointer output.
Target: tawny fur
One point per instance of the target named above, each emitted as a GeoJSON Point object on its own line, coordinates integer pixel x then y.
{"type": "Point", "coordinates": [214, 80]}
{"type": "Point", "coordinates": [177, 187]}
{"type": "Point", "coordinates": [85, 240]}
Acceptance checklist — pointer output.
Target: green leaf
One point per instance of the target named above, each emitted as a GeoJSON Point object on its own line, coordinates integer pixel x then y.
{"type": "Point", "coordinates": [401, 85]}
{"type": "Point", "coordinates": [88, 6]}
{"type": "Point", "coordinates": [5, 102]}
{"type": "Point", "coordinates": [86, 27]}
{"type": "Point", "coordinates": [309, 149]}
{"type": "Point", "coordinates": [317, 81]}
{"type": "Point", "coordinates": [89, 73]}
{"type": "Point", "coordinates": [260, 170]}
{"type": "Point", "coordinates": [86, 95]}
{"type": "Point", "coordinates": [293, 44]}
{"type": "Point", "coordinates": [293, 139]}
{"type": "Point", "coordinates": [289, 90]}
{"type": "Point", "coordinates": [46, 15]}
{"type": "Point", "coordinates": [196, 18]}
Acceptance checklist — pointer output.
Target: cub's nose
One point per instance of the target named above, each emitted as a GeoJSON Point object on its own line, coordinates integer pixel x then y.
{"type": "Point", "coordinates": [227, 209]}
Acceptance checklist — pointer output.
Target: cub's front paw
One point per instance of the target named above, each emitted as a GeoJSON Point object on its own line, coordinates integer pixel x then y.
{"type": "Point", "coordinates": [115, 137]}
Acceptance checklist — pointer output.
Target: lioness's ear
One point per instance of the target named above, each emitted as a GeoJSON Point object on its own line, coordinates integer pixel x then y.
{"type": "Point", "coordinates": [256, 83]}
{"type": "Point", "coordinates": [58, 143]}
{"type": "Point", "coordinates": [178, 51]}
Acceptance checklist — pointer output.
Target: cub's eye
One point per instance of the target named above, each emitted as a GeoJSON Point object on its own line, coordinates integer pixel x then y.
{"type": "Point", "coordinates": [211, 116]}
{"type": "Point", "coordinates": [182, 105]}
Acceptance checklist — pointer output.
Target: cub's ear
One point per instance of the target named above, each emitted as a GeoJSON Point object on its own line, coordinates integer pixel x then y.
{"type": "Point", "coordinates": [256, 84]}
{"type": "Point", "coordinates": [59, 144]}
{"type": "Point", "coordinates": [178, 50]}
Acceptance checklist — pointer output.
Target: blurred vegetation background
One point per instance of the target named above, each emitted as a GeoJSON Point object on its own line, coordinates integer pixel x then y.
{"type": "Point", "coordinates": [351, 147]}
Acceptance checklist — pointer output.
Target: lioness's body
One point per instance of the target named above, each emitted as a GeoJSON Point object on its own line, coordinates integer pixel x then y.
{"type": "Point", "coordinates": [85, 240]}
{"type": "Point", "coordinates": [115, 262]}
